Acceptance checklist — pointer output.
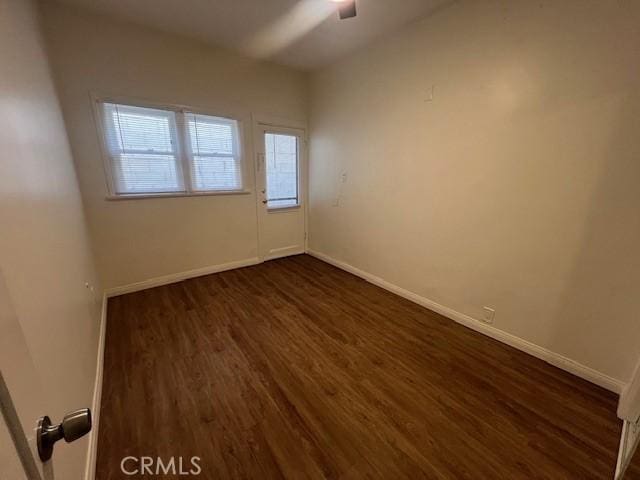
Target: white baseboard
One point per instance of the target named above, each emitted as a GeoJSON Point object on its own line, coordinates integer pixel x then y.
{"type": "Point", "coordinates": [92, 449]}
{"type": "Point", "coordinates": [178, 277]}
{"type": "Point", "coordinates": [560, 361]}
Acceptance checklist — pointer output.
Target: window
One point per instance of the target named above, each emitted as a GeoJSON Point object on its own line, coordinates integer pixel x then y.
{"type": "Point", "coordinates": [214, 153]}
{"type": "Point", "coordinates": [166, 151]}
{"type": "Point", "coordinates": [282, 170]}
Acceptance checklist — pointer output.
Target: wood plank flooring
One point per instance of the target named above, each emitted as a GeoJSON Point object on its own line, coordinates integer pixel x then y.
{"type": "Point", "coordinates": [295, 369]}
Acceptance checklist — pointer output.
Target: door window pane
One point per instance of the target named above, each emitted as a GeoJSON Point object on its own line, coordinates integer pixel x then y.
{"type": "Point", "coordinates": [282, 170]}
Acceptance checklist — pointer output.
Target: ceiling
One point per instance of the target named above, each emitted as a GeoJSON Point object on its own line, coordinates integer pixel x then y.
{"type": "Point", "coordinates": [306, 34]}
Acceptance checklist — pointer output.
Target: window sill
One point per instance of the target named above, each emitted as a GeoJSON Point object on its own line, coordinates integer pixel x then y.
{"type": "Point", "coordinates": [140, 196]}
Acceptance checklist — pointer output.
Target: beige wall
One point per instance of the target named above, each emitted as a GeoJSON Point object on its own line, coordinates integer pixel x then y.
{"type": "Point", "coordinates": [136, 240]}
{"type": "Point", "coordinates": [45, 257]}
{"type": "Point", "coordinates": [516, 187]}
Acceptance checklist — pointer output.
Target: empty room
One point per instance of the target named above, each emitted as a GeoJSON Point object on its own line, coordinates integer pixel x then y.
{"type": "Point", "coordinates": [324, 239]}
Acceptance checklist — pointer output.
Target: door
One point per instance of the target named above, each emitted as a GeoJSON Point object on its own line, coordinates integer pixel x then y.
{"type": "Point", "coordinates": [21, 396]}
{"type": "Point", "coordinates": [281, 182]}
{"type": "Point", "coordinates": [27, 436]}
{"type": "Point", "coordinates": [10, 466]}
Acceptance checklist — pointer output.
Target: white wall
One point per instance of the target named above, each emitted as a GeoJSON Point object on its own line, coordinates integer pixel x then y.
{"type": "Point", "coordinates": [138, 239]}
{"type": "Point", "coordinates": [516, 187]}
{"type": "Point", "coordinates": [45, 257]}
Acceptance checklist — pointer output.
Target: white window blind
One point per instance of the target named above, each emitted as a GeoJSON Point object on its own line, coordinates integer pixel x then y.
{"type": "Point", "coordinates": [214, 152]}
{"type": "Point", "coordinates": [142, 146]}
{"type": "Point", "coordinates": [166, 151]}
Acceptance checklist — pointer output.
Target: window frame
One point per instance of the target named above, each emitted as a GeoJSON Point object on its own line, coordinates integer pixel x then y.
{"type": "Point", "coordinates": [183, 159]}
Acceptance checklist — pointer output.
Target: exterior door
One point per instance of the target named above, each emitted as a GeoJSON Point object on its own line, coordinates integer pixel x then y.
{"type": "Point", "coordinates": [281, 182]}
{"type": "Point", "coordinates": [21, 398]}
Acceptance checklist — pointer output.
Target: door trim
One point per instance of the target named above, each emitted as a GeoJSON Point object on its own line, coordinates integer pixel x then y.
{"type": "Point", "coordinates": [96, 404]}
{"type": "Point", "coordinates": [628, 445]}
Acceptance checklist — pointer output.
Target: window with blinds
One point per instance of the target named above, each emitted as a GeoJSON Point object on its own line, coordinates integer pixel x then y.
{"type": "Point", "coordinates": [214, 152]}
{"type": "Point", "coordinates": [166, 151]}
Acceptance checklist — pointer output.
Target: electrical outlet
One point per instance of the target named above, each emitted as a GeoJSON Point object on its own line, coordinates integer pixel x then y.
{"type": "Point", "coordinates": [489, 315]}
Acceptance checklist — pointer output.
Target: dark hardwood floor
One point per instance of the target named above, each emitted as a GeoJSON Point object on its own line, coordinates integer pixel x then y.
{"type": "Point", "coordinates": [295, 369]}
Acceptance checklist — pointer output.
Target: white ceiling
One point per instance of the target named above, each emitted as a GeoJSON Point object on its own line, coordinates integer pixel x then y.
{"type": "Point", "coordinates": [302, 33]}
